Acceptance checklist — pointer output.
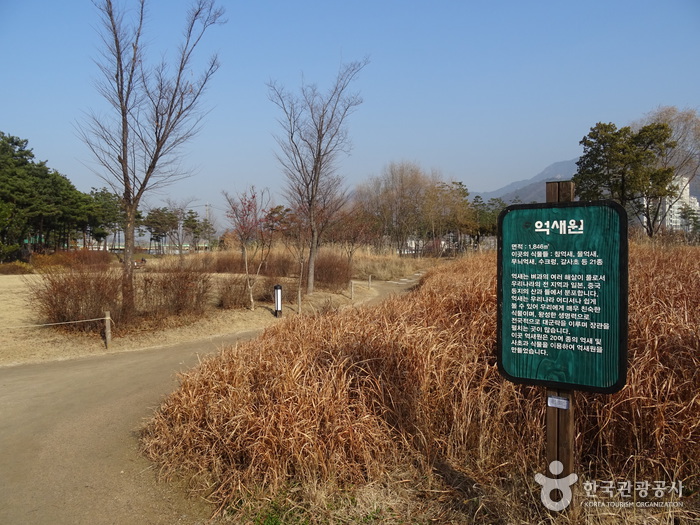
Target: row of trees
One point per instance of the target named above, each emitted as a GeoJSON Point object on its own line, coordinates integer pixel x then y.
{"type": "Point", "coordinates": [40, 209]}
{"type": "Point", "coordinates": [645, 167]}
{"type": "Point", "coordinates": [412, 211]}
{"type": "Point", "coordinates": [155, 108]}
{"type": "Point", "coordinates": [177, 226]}
{"type": "Point", "coordinates": [404, 211]}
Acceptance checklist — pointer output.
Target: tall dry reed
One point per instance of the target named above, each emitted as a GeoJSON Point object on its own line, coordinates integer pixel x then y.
{"type": "Point", "coordinates": [355, 397]}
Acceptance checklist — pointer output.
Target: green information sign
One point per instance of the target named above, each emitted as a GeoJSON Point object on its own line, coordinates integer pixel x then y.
{"type": "Point", "coordinates": [562, 295]}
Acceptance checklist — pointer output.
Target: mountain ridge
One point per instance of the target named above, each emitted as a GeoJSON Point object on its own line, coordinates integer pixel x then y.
{"type": "Point", "coordinates": [527, 191]}
{"type": "Point", "coordinates": [532, 190]}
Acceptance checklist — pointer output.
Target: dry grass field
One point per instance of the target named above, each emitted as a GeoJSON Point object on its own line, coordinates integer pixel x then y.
{"type": "Point", "coordinates": [397, 414]}
{"type": "Point", "coordinates": [76, 285]}
{"type": "Point", "coordinates": [73, 285]}
{"type": "Point", "coordinates": [23, 340]}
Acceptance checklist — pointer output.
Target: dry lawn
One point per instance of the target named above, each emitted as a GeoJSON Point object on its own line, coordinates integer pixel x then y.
{"type": "Point", "coordinates": [397, 413]}
{"type": "Point", "coordinates": [24, 340]}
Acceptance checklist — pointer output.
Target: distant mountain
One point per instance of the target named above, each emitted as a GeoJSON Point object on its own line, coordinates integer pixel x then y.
{"type": "Point", "coordinates": [533, 190]}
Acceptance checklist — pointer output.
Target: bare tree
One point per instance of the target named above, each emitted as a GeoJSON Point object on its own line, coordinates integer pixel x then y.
{"type": "Point", "coordinates": [353, 227]}
{"type": "Point", "coordinates": [250, 216]}
{"type": "Point", "coordinates": [314, 135]}
{"type": "Point", "coordinates": [396, 198]}
{"type": "Point", "coordinates": [154, 110]}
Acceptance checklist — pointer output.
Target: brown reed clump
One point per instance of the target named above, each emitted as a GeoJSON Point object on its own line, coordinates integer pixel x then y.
{"type": "Point", "coordinates": [353, 397]}
{"type": "Point", "coordinates": [652, 426]}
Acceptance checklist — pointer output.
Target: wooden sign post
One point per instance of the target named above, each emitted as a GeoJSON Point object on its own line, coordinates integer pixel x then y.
{"type": "Point", "coordinates": [562, 304]}
{"type": "Point", "coordinates": [560, 403]}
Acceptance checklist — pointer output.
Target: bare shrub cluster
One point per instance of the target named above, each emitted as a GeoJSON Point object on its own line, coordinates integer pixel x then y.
{"type": "Point", "coordinates": [333, 271]}
{"type": "Point", "coordinates": [15, 268]}
{"type": "Point", "coordinates": [231, 291]}
{"type": "Point", "coordinates": [278, 264]}
{"type": "Point", "coordinates": [354, 397]}
{"type": "Point", "coordinates": [388, 267]}
{"type": "Point", "coordinates": [80, 292]}
{"type": "Point", "coordinates": [176, 289]}
{"type": "Point", "coordinates": [73, 287]}
{"type": "Point", "coordinates": [72, 259]}
{"type": "Point", "coordinates": [332, 266]}
{"type": "Point", "coordinates": [65, 295]}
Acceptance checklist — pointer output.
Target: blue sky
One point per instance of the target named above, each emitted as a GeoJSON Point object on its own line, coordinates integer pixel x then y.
{"type": "Point", "coordinates": [485, 92]}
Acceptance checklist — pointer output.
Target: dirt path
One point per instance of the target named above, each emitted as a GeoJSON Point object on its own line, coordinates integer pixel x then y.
{"type": "Point", "coordinates": [68, 435]}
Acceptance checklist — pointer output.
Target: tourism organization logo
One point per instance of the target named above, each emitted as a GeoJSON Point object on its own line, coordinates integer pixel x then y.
{"type": "Point", "coordinates": [620, 494]}
{"type": "Point", "coordinates": [549, 485]}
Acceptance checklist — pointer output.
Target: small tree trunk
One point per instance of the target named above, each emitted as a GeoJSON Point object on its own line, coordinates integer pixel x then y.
{"type": "Point", "coordinates": [249, 284]}
{"type": "Point", "coordinates": [301, 278]}
{"type": "Point", "coordinates": [128, 301]}
{"type": "Point", "coordinates": [313, 251]}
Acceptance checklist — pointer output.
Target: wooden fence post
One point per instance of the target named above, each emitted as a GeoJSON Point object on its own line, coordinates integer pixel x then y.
{"type": "Point", "coordinates": [108, 329]}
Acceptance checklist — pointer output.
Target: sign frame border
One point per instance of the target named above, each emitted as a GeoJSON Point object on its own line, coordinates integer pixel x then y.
{"type": "Point", "coordinates": [623, 319]}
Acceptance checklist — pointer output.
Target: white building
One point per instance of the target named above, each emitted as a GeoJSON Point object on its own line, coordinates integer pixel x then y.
{"type": "Point", "coordinates": [673, 208]}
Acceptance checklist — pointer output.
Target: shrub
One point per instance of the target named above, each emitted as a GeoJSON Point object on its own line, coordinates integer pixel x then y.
{"type": "Point", "coordinates": [332, 271]}
{"type": "Point", "coordinates": [66, 295]}
{"type": "Point", "coordinates": [290, 289]}
{"type": "Point", "coordinates": [72, 259]}
{"type": "Point", "coordinates": [40, 261]}
{"type": "Point", "coordinates": [205, 261]}
{"type": "Point", "coordinates": [280, 265]}
{"type": "Point", "coordinates": [232, 292]}
{"type": "Point", "coordinates": [84, 292]}
{"type": "Point", "coordinates": [389, 267]}
{"type": "Point", "coordinates": [229, 262]}
{"type": "Point", "coordinates": [88, 258]}
{"type": "Point", "coordinates": [15, 268]}
{"type": "Point", "coordinates": [174, 290]}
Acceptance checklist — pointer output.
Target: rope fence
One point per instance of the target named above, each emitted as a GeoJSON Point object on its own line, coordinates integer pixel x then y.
{"type": "Point", "coordinates": [107, 319]}
{"type": "Point", "coordinates": [54, 324]}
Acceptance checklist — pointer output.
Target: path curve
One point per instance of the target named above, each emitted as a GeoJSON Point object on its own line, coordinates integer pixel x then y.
{"type": "Point", "coordinates": [68, 436]}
